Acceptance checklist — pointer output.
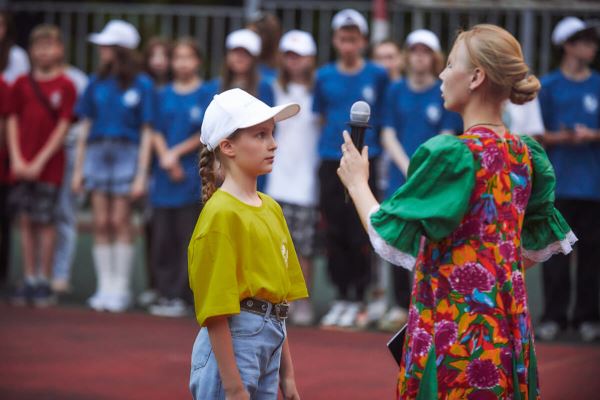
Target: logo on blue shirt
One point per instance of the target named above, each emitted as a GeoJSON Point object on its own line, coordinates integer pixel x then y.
{"type": "Point", "coordinates": [433, 114]}
{"type": "Point", "coordinates": [590, 103]}
{"type": "Point", "coordinates": [131, 98]}
{"type": "Point", "coordinates": [195, 113]}
{"type": "Point", "coordinates": [368, 93]}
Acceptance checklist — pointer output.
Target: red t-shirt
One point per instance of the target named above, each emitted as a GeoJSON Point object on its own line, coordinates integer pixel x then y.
{"type": "Point", "coordinates": [4, 161]}
{"type": "Point", "coordinates": [36, 123]}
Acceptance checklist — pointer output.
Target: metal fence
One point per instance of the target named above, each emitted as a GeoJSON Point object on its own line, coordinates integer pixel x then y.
{"type": "Point", "coordinates": [530, 21]}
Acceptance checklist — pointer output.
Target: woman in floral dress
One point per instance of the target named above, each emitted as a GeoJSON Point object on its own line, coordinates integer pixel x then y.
{"type": "Point", "coordinates": [476, 211]}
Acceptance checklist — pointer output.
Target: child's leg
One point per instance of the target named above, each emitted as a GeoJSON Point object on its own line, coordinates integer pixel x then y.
{"type": "Point", "coordinates": [102, 249]}
{"type": "Point", "coordinates": [162, 251]}
{"type": "Point", "coordinates": [27, 230]}
{"type": "Point", "coordinates": [47, 234]}
{"type": "Point", "coordinates": [123, 250]}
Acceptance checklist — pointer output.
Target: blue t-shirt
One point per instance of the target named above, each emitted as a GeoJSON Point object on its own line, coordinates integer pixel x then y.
{"type": "Point", "coordinates": [415, 117]}
{"type": "Point", "coordinates": [264, 89]}
{"type": "Point", "coordinates": [335, 92]}
{"type": "Point", "coordinates": [564, 104]}
{"type": "Point", "coordinates": [178, 117]}
{"type": "Point", "coordinates": [117, 113]}
{"type": "Point", "coordinates": [269, 74]}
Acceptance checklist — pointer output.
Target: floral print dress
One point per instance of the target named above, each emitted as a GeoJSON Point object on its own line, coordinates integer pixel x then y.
{"type": "Point", "coordinates": [472, 208]}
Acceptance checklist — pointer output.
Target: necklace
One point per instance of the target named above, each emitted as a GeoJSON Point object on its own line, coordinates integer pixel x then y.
{"type": "Point", "coordinates": [483, 123]}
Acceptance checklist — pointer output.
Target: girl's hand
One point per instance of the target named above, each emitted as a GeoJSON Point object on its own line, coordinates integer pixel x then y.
{"type": "Point", "coordinates": [176, 173]}
{"type": "Point", "coordinates": [18, 168]}
{"type": "Point", "coordinates": [138, 187]}
{"type": "Point", "coordinates": [237, 394]}
{"type": "Point", "coordinates": [354, 166]}
{"type": "Point", "coordinates": [33, 170]}
{"type": "Point", "coordinates": [288, 389]}
{"type": "Point", "coordinates": [169, 160]}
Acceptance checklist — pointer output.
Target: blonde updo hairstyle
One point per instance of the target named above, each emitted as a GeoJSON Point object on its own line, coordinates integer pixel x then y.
{"type": "Point", "coordinates": [499, 54]}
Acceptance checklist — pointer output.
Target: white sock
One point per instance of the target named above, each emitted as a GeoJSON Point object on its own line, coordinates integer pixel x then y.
{"type": "Point", "coordinates": [103, 261]}
{"type": "Point", "coordinates": [124, 253]}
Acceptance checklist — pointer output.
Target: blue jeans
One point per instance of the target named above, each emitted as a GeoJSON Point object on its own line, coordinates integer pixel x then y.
{"type": "Point", "coordinates": [66, 229]}
{"type": "Point", "coordinates": [257, 344]}
{"type": "Point", "coordinates": [110, 166]}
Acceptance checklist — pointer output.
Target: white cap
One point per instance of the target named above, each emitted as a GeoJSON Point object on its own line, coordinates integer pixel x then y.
{"type": "Point", "coordinates": [236, 109]}
{"type": "Point", "coordinates": [299, 42]}
{"type": "Point", "coordinates": [350, 17]}
{"type": "Point", "coordinates": [117, 33]}
{"type": "Point", "coordinates": [244, 39]}
{"type": "Point", "coordinates": [566, 28]}
{"type": "Point", "coordinates": [424, 36]}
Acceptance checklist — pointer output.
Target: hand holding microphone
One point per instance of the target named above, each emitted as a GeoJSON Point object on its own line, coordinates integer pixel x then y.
{"type": "Point", "coordinates": [354, 165]}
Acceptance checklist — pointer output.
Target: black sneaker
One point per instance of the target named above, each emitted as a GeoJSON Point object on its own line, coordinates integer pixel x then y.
{"type": "Point", "coordinates": [23, 294]}
{"type": "Point", "coordinates": [43, 295]}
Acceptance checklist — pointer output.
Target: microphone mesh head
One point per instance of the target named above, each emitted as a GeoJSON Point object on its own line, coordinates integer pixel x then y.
{"type": "Point", "coordinates": [360, 112]}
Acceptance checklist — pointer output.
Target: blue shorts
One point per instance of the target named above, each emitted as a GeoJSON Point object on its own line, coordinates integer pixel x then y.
{"type": "Point", "coordinates": [110, 166]}
{"type": "Point", "coordinates": [257, 344]}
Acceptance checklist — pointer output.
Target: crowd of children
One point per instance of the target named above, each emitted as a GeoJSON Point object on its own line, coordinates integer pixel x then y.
{"type": "Point", "coordinates": [132, 132]}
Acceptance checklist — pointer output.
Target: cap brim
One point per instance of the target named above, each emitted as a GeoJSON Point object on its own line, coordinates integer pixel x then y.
{"type": "Point", "coordinates": [99, 39]}
{"type": "Point", "coordinates": [278, 113]}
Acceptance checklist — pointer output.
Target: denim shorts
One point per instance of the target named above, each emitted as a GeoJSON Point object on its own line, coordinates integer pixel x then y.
{"type": "Point", "coordinates": [257, 344]}
{"type": "Point", "coordinates": [110, 165]}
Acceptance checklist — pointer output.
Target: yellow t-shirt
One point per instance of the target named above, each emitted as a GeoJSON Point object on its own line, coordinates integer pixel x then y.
{"type": "Point", "coordinates": [239, 251]}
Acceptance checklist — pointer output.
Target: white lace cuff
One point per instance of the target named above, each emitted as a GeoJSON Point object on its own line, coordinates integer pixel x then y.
{"type": "Point", "coordinates": [387, 252]}
{"type": "Point", "coordinates": [564, 246]}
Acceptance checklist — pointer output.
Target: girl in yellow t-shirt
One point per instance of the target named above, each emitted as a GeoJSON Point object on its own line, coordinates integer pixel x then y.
{"type": "Point", "coordinates": [242, 264]}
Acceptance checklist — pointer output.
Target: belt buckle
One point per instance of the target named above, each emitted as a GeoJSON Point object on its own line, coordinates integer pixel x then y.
{"type": "Point", "coordinates": [281, 310]}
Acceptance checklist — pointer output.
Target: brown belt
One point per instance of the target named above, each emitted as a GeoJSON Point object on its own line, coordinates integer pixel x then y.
{"type": "Point", "coordinates": [261, 307]}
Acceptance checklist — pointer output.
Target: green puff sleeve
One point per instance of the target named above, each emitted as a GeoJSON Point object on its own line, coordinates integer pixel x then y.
{"type": "Point", "coordinates": [545, 231]}
{"type": "Point", "coordinates": [432, 202]}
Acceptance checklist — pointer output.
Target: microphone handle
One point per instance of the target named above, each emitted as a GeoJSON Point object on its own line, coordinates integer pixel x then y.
{"type": "Point", "coordinates": [357, 134]}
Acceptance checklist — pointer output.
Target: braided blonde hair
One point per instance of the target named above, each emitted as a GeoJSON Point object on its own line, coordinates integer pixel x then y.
{"type": "Point", "coordinates": [207, 173]}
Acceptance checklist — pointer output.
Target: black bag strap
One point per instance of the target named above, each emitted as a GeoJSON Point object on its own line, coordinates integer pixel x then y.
{"type": "Point", "coordinates": [43, 99]}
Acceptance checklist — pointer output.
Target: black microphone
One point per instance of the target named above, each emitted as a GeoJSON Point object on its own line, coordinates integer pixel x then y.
{"type": "Point", "coordinates": [359, 118]}
{"type": "Point", "coordinates": [360, 112]}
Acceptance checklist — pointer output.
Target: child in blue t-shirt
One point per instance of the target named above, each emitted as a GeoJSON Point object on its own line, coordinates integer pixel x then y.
{"type": "Point", "coordinates": [570, 108]}
{"type": "Point", "coordinates": [413, 114]}
{"type": "Point", "coordinates": [175, 187]}
{"type": "Point", "coordinates": [338, 85]}
{"type": "Point", "coordinates": [113, 156]}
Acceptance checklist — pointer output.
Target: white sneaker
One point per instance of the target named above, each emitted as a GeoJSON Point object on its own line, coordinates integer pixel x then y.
{"type": "Point", "coordinates": [394, 319]}
{"type": "Point", "coordinates": [547, 330]}
{"type": "Point", "coordinates": [589, 331]}
{"type": "Point", "coordinates": [97, 301]}
{"type": "Point", "coordinates": [333, 315]}
{"type": "Point", "coordinates": [348, 318]}
{"type": "Point", "coordinates": [376, 310]}
{"type": "Point", "coordinates": [147, 298]}
{"type": "Point", "coordinates": [117, 303]}
{"type": "Point", "coordinates": [173, 308]}
{"type": "Point", "coordinates": [302, 313]}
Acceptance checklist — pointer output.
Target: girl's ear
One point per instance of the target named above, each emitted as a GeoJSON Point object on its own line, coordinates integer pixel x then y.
{"type": "Point", "coordinates": [226, 148]}
{"type": "Point", "coordinates": [477, 78]}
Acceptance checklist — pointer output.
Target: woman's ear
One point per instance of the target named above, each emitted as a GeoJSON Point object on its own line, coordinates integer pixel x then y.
{"type": "Point", "coordinates": [477, 78]}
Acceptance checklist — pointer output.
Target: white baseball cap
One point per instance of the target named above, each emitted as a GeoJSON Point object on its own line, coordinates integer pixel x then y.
{"type": "Point", "coordinates": [299, 42]}
{"type": "Point", "coordinates": [244, 39]}
{"type": "Point", "coordinates": [117, 33]}
{"type": "Point", "coordinates": [424, 36]}
{"type": "Point", "coordinates": [236, 109]}
{"type": "Point", "coordinates": [567, 27]}
{"type": "Point", "coordinates": [350, 17]}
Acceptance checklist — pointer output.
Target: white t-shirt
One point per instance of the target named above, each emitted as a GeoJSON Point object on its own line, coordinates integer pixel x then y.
{"type": "Point", "coordinates": [525, 119]}
{"type": "Point", "coordinates": [294, 176]}
{"type": "Point", "coordinates": [18, 64]}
